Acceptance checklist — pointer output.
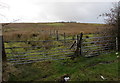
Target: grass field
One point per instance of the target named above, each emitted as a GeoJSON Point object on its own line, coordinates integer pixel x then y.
{"type": "Point", "coordinates": [49, 49]}
{"type": "Point", "coordinates": [26, 30]}
{"type": "Point", "coordinates": [80, 69]}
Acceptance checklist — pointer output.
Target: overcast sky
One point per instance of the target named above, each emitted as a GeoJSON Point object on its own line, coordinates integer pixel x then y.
{"type": "Point", "coordinates": [54, 10]}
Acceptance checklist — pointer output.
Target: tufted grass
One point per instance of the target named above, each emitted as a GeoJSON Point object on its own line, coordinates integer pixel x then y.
{"type": "Point", "coordinates": [79, 69]}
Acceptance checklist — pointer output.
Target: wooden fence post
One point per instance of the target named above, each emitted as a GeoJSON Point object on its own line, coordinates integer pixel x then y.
{"type": "Point", "coordinates": [80, 43]}
{"type": "Point", "coordinates": [0, 53]}
{"type": "Point", "coordinates": [116, 44]}
{"type": "Point", "coordinates": [78, 51]}
{"type": "Point", "coordinates": [118, 26]}
{"type": "Point", "coordinates": [4, 59]}
{"type": "Point", "coordinates": [64, 38]}
{"type": "Point", "coordinates": [57, 35]}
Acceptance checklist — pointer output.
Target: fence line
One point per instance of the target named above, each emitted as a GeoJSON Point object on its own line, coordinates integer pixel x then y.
{"type": "Point", "coordinates": [36, 61]}
{"type": "Point", "coordinates": [60, 40]}
{"type": "Point", "coordinates": [37, 54]}
{"type": "Point", "coordinates": [100, 45]}
{"type": "Point", "coordinates": [36, 41]}
{"type": "Point", "coordinates": [39, 51]}
{"type": "Point", "coordinates": [98, 41]}
{"type": "Point", "coordinates": [29, 47]}
{"type": "Point", "coordinates": [98, 49]}
{"type": "Point", "coordinates": [35, 57]}
{"type": "Point", "coordinates": [31, 60]}
{"type": "Point", "coordinates": [78, 47]}
{"type": "Point", "coordinates": [99, 37]}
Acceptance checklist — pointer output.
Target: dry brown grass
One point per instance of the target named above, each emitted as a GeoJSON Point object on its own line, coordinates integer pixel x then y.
{"type": "Point", "coordinates": [12, 30]}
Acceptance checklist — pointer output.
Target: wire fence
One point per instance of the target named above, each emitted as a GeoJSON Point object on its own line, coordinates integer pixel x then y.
{"type": "Point", "coordinates": [23, 52]}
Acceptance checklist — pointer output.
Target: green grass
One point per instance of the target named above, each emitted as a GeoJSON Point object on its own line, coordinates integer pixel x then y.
{"type": "Point", "coordinates": [79, 69]}
{"type": "Point", "coordinates": [47, 48]}
{"type": "Point", "coordinates": [47, 51]}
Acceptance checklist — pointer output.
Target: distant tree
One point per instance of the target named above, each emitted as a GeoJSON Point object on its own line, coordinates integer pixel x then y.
{"type": "Point", "coordinates": [113, 19]}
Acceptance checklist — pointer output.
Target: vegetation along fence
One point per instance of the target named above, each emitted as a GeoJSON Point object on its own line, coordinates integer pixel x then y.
{"type": "Point", "coordinates": [63, 47]}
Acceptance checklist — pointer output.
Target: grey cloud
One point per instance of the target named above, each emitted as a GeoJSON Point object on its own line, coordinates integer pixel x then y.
{"type": "Point", "coordinates": [76, 11]}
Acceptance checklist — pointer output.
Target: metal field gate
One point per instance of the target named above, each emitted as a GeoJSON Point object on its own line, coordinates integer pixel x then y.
{"type": "Point", "coordinates": [23, 52]}
{"type": "Point", "coordinates": [33, 51]}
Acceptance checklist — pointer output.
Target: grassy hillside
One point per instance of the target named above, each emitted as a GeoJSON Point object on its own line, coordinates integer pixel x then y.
{"type": "Point", "coordinates": [63, 27]}
{"type": "Point", "coordinates": [80, 69]}
{"type": "Point", "coordinates": [12, 30]}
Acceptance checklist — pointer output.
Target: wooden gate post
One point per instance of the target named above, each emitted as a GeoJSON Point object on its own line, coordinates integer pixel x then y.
{"type": "Point", "coordinates": [64, 38]}
{"type": "Point", "coordinates": [118, 24]}
{"type": "Point", "coordinates": [57, 35]}
{"type": "Point", "coordinates": [80, 44]}
{"type": "Point", "coordinates": [116, 44]}
{"type": "Point", "coordinates": [78, 51]}
{"type": "Point", "coordinates": [0, 53]}
{"type": "Point", "coordinates": [4, 59]}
